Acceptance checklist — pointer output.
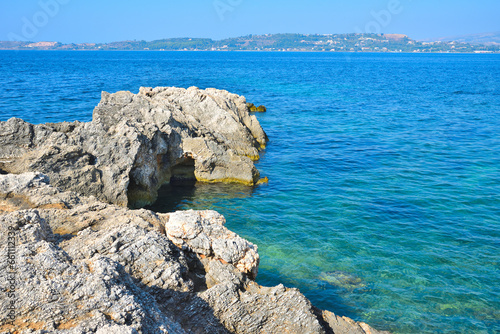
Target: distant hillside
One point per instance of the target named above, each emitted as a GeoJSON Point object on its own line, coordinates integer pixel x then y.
{"type": "Point", "coordinates": [275, 42]}
{"type": "Point", "coordinates": [491, 38]}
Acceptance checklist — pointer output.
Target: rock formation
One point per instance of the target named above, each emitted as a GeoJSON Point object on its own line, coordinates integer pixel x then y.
{"type": "Point", "coordinates": [137, 143]}
{"type": "Point", "coordinates": [74, 256]}
{"type": "Point", "coordinates": [72, 264]}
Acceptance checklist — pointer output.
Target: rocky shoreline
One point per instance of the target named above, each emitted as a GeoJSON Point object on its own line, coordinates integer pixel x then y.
{"type": "Point", "coordinates": [135, 143]}
{"type": "Point", "coordinates": [78, 256]}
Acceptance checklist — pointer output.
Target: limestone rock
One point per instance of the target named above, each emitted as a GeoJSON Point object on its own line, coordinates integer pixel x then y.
{"type": "Point", "coordinates": [138, 142]}
{"type": "Point", "coordinates": [347, 325]}
{"type": "Point", "coordinates": [203, 232]}
{"type": "Point", "coordinates": [146, 255]}
{"type": "Point", "coordinates": [263, 310]}
{"type": "Point", "coordinates": [55, 293]}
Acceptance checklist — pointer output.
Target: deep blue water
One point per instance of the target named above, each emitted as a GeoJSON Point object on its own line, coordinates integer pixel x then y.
{"type": "Point", "coordinates": [384, 195]}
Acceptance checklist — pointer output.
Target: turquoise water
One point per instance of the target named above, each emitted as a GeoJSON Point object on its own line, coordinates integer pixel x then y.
{"type": "Point", "coordinates": [384, 195]}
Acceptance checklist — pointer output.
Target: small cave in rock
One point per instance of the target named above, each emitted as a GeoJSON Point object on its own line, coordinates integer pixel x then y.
{"type": "Point", "coordinates": [181, 186]}
{"type": "Point", "coordinates": [178, 181]}
{"type": "Point", "coordinates": [181, 190]}
{"type": "Point", "coordinates": [138, 195]}
{"type": "Point", "coordinates": [182, 174]}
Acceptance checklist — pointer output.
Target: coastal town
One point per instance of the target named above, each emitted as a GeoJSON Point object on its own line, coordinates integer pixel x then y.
{"type": "Point", "coordinates": [274, 42]}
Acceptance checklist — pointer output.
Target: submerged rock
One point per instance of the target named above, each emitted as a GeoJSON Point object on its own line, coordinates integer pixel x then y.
{"type": "Point", "coordinates": [135, 143]}
{"type": "Point", "coordinates": [343, 280]}
{"type": "Point", "coordinates": [78, 265]}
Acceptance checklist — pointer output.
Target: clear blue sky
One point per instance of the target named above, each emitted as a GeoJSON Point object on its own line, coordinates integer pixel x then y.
{"type": "Point", "coordinates": [114, 20]}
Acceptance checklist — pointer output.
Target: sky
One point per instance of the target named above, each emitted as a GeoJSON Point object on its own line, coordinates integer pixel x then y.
{"type": "Point", "coordinates": [99, 21]}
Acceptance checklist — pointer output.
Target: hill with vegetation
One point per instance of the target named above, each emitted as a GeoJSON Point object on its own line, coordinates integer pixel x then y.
{"type": "Point", "coordinates": [274, 42]}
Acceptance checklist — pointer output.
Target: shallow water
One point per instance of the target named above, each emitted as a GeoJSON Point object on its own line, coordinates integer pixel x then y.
{"type": "Point", "coordinates": [384, 195]}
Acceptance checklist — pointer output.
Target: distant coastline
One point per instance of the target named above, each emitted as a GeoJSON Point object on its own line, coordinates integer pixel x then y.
{"type": "Point", "coordinates": [389, 43]}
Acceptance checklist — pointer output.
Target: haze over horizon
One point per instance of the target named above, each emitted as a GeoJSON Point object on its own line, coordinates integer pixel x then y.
{"type": "Point", "coordinates": [70, 21]}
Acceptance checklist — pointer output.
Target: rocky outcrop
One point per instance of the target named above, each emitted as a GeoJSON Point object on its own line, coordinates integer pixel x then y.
{"type": "Point", "coordinates": [135, 143]}
{"type": "Point", "coordinates": [75, 259]}
{"type": "Point", "coordinates": [72, 264]}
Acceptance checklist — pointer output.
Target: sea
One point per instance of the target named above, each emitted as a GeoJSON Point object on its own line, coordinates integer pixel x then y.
{"type": "Point", "coordinates": [383, 201]}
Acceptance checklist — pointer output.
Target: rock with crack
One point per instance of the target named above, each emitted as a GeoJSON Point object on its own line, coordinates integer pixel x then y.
{"type": "Point", "coordinates": [136, 143]}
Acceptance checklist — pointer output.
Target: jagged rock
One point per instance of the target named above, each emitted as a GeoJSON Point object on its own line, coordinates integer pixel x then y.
{"type": "Point", "coordinates": [56, 293]}
{"type": "Point", "coordinates": [263, 310]}
{"type": "Point", "coordinates": [138, 142]}
{"type": "Point", "coordinates": [146, 255]}
{"type": "Point", "coordinates": [83, 266]}
{"type": "Point", "coordinates": [203, 232]}
{"type": "Point", "coordinates": [347, 325]}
